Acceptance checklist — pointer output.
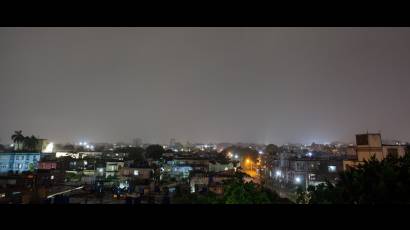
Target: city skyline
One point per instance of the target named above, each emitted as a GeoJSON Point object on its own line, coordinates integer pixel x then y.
{"type": "Point", "coordinates": [263, 85]}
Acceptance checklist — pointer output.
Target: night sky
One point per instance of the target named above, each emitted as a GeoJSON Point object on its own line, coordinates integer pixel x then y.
{"type": "Point", "coordinates": [265, 85]}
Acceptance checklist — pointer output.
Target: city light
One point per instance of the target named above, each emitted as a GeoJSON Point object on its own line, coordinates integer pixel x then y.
{"type": "Point", "coordinates": [49, 148]}
{"type": "Point", "coordinates": [332, 168]}
{"type": "Point", "coordinates": [309, 154]}
{"type": "Point", "coordinates": [278, 173]}
{"type": "Point", "coordinates": [236, 156]}
{"type": "Point", "coordinates": [260, 152]}
{"type": "Point", "coordinates": [297, 180]}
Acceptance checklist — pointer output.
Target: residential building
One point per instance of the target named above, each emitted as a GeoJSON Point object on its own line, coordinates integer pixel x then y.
{"type": "Point", "coordinates": [370, 145]}
{"type": "Point", "coordinates": [18, 162]}
{"type": "Point", "coordinates": [112, 168]}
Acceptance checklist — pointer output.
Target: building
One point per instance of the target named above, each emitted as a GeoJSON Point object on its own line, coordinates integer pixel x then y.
{"type": "Point", "coordinates": [136, 173]}
{"type": "Point", "coordinates": [47, 165]}
{"type": "Point", "coordinates": [217, 166]}
{"type": "Point", "coordinates": [370, 145]}
{"type": "Point", "coordinates": [112, 168]}
{"type": "Point", "coordinates": [288, 171]}
{"type": "Point", "coordinates": [18, 162]}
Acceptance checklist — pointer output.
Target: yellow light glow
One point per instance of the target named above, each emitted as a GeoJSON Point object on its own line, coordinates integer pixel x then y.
{"type": "Point", "coordinates": [49, 148]}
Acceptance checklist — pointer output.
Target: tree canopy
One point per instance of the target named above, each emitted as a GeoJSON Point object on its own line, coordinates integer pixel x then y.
{"type": "Point", "coordinates": [373, 182]}
{"type": "Point", "coordinates": [236, 191]}
{"type": "Point", "coordinates": [272, 149]}
{"type": "Point", "coordinates": [154, 152]}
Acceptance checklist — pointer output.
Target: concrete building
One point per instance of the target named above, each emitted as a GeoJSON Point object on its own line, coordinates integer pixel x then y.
{"type": "Point", "coordinates": [112, 168]}
{"type": "Point", "coordinates": [369, 145]}
{"type": "Point", "coordinates": [136, 173]}
{"type": "Point", "coordinates": [18, 162]}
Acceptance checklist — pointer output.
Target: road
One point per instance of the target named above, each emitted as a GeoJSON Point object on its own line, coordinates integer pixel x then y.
{"type": "Point", "coordinates": [254, 175]}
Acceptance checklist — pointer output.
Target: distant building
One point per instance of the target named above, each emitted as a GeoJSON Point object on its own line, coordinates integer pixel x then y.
{"type": "Point", "coordinates": [292, 172]}
{"type": "Point", "coordinates": [113, 168]}
{"type": "Point", "coordinates": [47, 165]}
{"type": "Point", "coordinates": [18, 162]}
{"type": "Point", "coordinates": [136, 173]}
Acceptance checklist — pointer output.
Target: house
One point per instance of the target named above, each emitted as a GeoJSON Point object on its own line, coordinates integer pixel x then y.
{"type": "Point", "coordinates": [198, 181]}
{"type": "Point", "coordinates": [218, 166]}
{"type": "Point", "coordinates": [113, 167]}
{"type": "Point", "coordinates": [136, 173]}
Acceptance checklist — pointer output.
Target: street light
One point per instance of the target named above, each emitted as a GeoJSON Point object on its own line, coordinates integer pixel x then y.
{"type": "Point", "coordinates": [298, 180]}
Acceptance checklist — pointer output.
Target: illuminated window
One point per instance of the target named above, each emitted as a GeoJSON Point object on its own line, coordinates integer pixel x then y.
{"type": "Point", "coordinates": [332, 168]}
{"type": "Point", "coordinates": [136, 173]}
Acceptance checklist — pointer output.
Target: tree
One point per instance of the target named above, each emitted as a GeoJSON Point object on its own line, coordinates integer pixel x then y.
{"type": "Point", "coordinates": [272, 149]}
{"type": "Point", "coordinates": [154, 152]}
{"type": "Point", "coordinates": [373, 182]}
{"type": "Point", "coordinates": [407, 149]}
{"type": "Point", "coordinates": [18, 139]}
{"type": "Point", "coordinates": [238, 192]}
{"type": "Point", "coordinates": [30, 143]}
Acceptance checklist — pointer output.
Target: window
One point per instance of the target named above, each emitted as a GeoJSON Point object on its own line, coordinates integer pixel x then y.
{"type": "Point", "coordinates": [332, 168]}
{"type": "Point", "coordinates": [362, 139]}
{"type": "Point", "coordinates": [136, 173]}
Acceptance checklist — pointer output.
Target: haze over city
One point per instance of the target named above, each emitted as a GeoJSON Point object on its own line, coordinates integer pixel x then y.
{"type": "Point", "coordinates": [264, 85]}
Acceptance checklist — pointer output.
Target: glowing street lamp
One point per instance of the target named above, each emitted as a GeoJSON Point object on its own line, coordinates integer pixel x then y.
{"type": "Point", "coordinates": [298, 180]}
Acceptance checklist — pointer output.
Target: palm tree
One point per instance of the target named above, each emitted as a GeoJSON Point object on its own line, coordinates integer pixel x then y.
{"type": "Point", "coordinates": [18, 139]}
{"type": "Point", "coordinates": [31, 143]}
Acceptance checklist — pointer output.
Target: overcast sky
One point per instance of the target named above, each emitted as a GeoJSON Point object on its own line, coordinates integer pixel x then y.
{"type": "Point", "coordinates": [267, 85]}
